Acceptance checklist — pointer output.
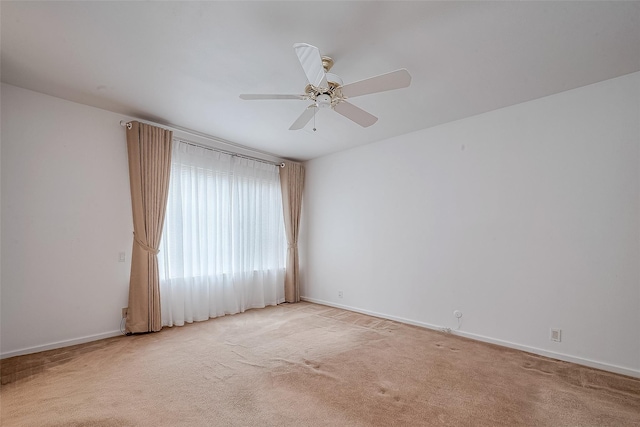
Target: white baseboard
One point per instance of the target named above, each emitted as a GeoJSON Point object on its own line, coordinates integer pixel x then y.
{"type": "Point", "coordinates": [559, 356]}
{"type": "Point", "coordinates": [59, 344]}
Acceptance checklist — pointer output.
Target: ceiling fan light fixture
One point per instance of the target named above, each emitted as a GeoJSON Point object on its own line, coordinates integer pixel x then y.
{"type": "Point", "coordinates": [323, 101]}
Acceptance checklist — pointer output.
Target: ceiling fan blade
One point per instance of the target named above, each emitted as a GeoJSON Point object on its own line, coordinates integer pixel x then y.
{"type": "Point", "coordinates": [253, 97]}
{"type": "Point", "coordinates": [311, 62]}
{"type": "Point", "coordinates": [389, 81]}
{"type": "Point", "coordinates": [304, 118]}
{"type": "Point", "coordinates": [355, 114]}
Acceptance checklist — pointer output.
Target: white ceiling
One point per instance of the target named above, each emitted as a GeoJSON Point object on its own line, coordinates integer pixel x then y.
{"type": "Point", "coordinates": [185, 63]}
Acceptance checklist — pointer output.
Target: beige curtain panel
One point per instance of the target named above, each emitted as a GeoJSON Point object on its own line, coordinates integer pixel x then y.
{"type": "Point", "coordinates": [292, 183]}
{"type": "Point", "coordinates": [149, 149]}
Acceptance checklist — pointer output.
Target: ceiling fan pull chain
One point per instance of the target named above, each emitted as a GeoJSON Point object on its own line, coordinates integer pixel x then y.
{"type": "Point", "coordinates": [314, 118]}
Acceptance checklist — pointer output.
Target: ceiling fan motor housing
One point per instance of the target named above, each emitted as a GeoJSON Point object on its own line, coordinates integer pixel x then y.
{"type": "Point", "coordinates": [332, 78]}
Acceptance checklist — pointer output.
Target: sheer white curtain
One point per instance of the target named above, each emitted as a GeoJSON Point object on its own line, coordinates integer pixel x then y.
{"type": "Point", "coordinates": [223, 245]}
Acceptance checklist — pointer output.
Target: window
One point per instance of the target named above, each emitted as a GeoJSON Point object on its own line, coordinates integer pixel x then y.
{"type": "Point", "coordinates": [223, 246]}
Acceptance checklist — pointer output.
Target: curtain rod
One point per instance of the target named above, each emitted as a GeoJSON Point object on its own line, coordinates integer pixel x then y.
{"type": "Point", "coordinates": [230, 153]}
{"type": "Point", "coordinates": [219, 150]}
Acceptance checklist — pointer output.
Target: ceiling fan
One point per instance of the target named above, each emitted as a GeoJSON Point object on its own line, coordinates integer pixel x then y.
{"type": "Point", "coordinates": [326, 90]}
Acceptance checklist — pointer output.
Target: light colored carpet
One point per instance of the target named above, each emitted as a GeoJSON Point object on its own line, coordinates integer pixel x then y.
{"type": "Point", "coordinates": [307, 365]}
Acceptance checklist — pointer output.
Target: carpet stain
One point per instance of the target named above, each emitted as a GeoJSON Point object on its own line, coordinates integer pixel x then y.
{"type": "Point", "coordinates": [536, 367]}
{"type": "Point", "coordinates": [254, 364]}
{"type": "Point", "coordinates": [314, 365]}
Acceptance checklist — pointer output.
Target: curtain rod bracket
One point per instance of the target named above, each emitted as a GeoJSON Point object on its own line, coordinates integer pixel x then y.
{"type": "Point", "coordinates": [125, 124]}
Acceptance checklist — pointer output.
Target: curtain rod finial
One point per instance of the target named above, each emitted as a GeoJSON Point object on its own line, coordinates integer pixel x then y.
{"type": "Point", "coordinates": [282, 164]}
{"type": "Point", "coordinates": [125, 124]}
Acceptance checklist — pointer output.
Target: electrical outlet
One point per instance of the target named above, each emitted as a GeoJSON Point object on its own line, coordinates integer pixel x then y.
{"type": "Point", "coordinates": [339, 294]}
{"type": "Point", "coordinates": [125, 311]}
{"type": "Point", "coordinates": [556, 335]}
